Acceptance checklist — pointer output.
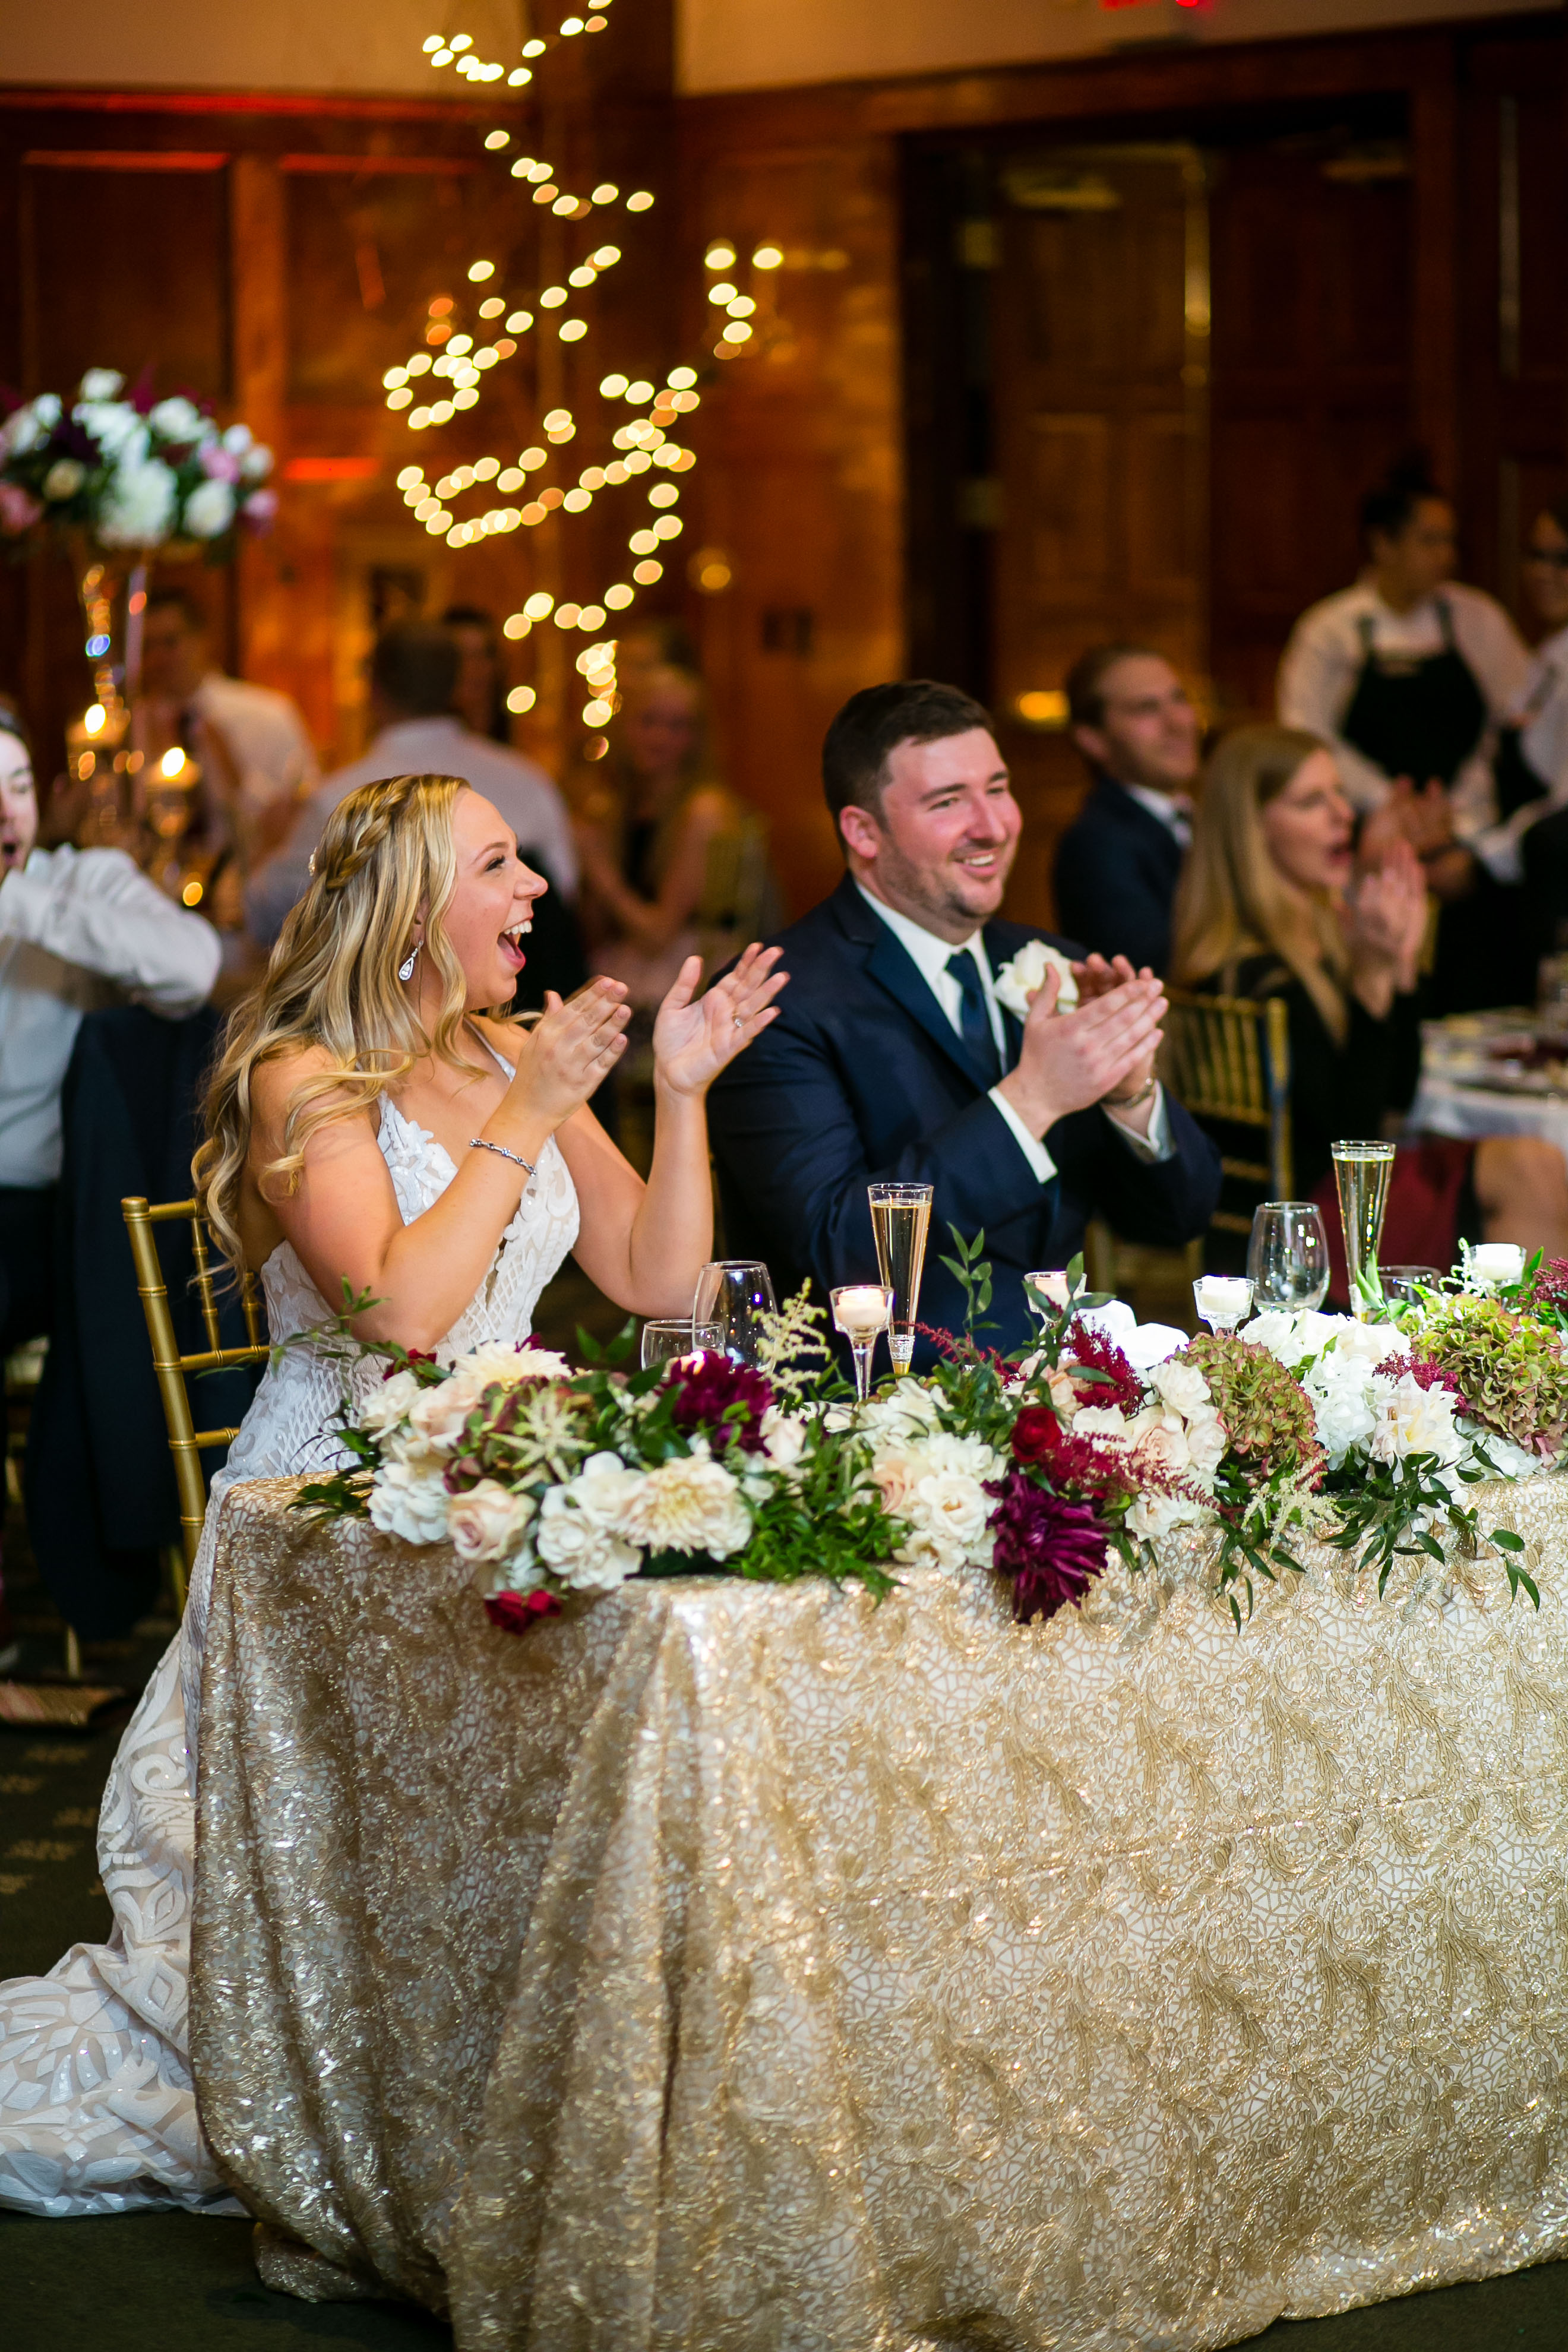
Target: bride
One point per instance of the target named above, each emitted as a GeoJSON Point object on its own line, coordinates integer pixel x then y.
{"type": "Point", "coordinates": [370, 1123]}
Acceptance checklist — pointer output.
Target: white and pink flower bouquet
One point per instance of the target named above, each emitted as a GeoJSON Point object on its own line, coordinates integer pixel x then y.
{"type": "Point", "coordinates": [127, 472]}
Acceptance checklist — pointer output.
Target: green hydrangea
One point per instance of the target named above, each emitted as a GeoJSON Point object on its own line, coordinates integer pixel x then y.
{"type": "Point", "coordinates": [1510, 1369]}
{"type": "Point", "coordinates": [1267, 1415]}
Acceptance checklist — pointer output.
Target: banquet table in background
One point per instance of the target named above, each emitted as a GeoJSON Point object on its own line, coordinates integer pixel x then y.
{"type": "Point", "coordinates": [738, 1966]}
{"type": "Point", "coordinates": [1473, 1085]}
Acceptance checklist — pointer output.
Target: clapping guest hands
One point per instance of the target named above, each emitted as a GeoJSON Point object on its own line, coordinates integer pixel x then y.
{"type": "Point", "coordinates": [1386, 924]}
{"type": "Point", "coordinates": [694, 1037]}
{"type": "Point", "coordinates": [1102, 1053]}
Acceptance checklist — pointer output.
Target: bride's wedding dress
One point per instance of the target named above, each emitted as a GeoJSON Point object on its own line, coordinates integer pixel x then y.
{"type": "Point", "coordinates": [97, 2112]}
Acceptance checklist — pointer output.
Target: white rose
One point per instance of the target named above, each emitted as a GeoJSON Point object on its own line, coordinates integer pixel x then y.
{"type": "Point", "coordinates": [783, 1437]}
{"type": "Point", "coordinates": [179, 419]}
{"type": "Point", "coordinates": [948, 1515]}
{"type": "Point", "coordinates": [139, 507]}
{"type": "Point", "coordinates": [1063, 1395]}
{"type": "Point", "coordinates": [408, 1501]}
{"type": "Point", "coordinates": [26, 426]}
{"type": "Point", "coordinates": [388, 1403]}
{"type": "Point", "coordinates": [1414, 1420]}
{"type": "Point", "coordinates": [237, 439]}
{"type": "Point", "coordinates": [1206, 1442]}
{"type": "Point", "coordinates": [64, 478]}
{"type": "Point", "coordinates": [488, 1521]}
{"type": "Point", "coordinates": [909, 1410]}
{"type": "Point", "coordinates": [101, 383]}
{"type": "Point", "coordinates": [1024, 974]}
{"type": "Point", "coordinates": [256, 463]}
{"type": "Point", "coordinates": [1179, 1385]}
{"type": "Point", "coordinates": [579, 1535]}
{"type": "Point", "coordinates": [209, 509]}
{"type": "Point", "coordinates": [1106, 1421]}
{"type": "Point", "coordinates": [120, 433]}
{"type": "Point", "coordinates": [1155, 1516]}
{"type": "Point", "coordinates": [1164, 1445]}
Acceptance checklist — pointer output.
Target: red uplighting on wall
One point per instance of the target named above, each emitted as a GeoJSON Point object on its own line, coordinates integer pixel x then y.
{"type": "Point", "coordinates": [331, 470]}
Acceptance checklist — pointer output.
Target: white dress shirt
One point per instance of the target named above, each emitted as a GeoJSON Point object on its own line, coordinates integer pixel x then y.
{"type": "Point", "coordinates": [521, 790]}
{"type": "Point", "coordinates": [929, 957]}
{"type": "Point", "coordinates": [1324, 659]}
{"type": "Point", "coordinates": [1174, 810]}
{"type": "Point", "coordinates": [265, 737]}
{"type": "Point", "coordinates": [80, 929]}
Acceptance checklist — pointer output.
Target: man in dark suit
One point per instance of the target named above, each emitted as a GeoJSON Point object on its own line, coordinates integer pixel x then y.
{"type": "Point", "coordinates": [894, 1057]}
{"type": "Point", "coordinates": [1118, 863]}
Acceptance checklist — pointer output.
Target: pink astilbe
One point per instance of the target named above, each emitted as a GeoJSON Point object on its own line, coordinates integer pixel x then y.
{"type": "Point", "coordinates": [1425, 1375]}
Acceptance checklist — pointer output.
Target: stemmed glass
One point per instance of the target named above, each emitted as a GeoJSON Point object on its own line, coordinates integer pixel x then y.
{"type": "Point", "coordinates": [1287, 1256]}
{"type": "Point", "coordinates": [1223, 1300]}
{"type": "Point", "coordinates": [670, 1340]}
{"type": "Point", "coordinates": [861, 1310]}
{"type": "Point", "coordinates": [1363, 1174]}
{"type": "Point", "coordinates": [733, 1295]}
{"type": "Point", "coordinates": [901, 1218]}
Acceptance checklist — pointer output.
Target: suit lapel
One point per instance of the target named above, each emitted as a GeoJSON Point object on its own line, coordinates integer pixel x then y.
{"type": "Point", "coordinates": [891, 969]}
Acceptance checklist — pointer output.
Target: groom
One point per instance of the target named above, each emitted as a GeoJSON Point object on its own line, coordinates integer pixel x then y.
{"type": "Point", "coordinates": [893, 1056]}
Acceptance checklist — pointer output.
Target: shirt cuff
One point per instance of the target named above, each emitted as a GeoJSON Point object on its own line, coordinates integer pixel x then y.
{"type": "Point", "coordinates": [1157, 1144]}
{"type": "Point", "coordinates": [23, 903]}
{"type": "Point", "coordinates": [1040, 1161]}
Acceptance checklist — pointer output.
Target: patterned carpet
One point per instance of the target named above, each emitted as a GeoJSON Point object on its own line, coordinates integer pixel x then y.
{"type": "Point", "coordinates": [177, 2283]}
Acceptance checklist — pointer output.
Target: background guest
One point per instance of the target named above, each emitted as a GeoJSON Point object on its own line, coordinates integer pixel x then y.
{"type": "Point", "coordinates": [1406, 676]}
{"type": "Point", "coordinates": [261, 762]}
{"type": "Point", "coordinates": [1265, 909]}
{"type": "Point", "coordinates": [894, 1057]}
{"type": "Point", "coordinates": [413, 678]}
{"type": "Point", "coordinates": [1533, 754]}
{"type": "Point", "coordinates": [647, 818]}
{"type": "Point", "coordinates": [1118, 863]}
{"type": "Point", "coordinates": [78, 929]}
{"type": "Point", "coordinates": [479, 695]}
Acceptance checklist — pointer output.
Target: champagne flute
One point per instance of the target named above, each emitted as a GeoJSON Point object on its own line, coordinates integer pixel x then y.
{"type": "Point", "coordinates": [1362, 1172]}
{"type": "Point", "coordinates": [1287, 1256]}
{"type": "Point", "coordinates": [732, 1296]}
{"type": "Point", "coordinates": [861, 1310]}
{"type": "Point", "coordinates": [669, 1340]}
{"type": "Point", "coordinates": [900, 1218]}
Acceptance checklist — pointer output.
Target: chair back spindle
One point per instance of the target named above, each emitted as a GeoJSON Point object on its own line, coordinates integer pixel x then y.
{"type": "Point", "coordinates": [1227, 1058]}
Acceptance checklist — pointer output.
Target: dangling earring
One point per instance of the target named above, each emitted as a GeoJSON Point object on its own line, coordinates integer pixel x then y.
{"type": "Point", "coordinates": [406, 969]}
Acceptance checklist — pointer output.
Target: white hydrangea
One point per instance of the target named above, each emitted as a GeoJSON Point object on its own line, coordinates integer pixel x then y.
{"type": "Point", "coordinates": [114, 425]}
{"type": "Point", "coordinates": [139, 507]}
{"type": "Point", "coordinates": [209, 509]}
{"type": "Point", "coordinates": [409, 1501]}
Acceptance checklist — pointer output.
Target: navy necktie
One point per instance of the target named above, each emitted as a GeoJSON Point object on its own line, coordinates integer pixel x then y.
{"type": "Point", "coordinates": [973, 1014]}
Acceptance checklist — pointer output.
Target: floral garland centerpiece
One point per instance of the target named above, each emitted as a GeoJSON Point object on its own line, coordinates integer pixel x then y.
{"type": "Point", "coordinates": [1102, 1438]}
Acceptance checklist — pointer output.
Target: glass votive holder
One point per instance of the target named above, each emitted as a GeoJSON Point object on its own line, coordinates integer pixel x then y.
{"type": "Point", "coordinates": [672, 1340]}
{"type": "Point", "coordinates": [1223, 1300]}
{"type": "Point", "coordinates": [861, 1310]}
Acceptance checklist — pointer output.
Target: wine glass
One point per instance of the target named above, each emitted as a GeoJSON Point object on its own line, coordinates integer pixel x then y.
{"type": "Point", "coordinates": [733, 1295]}
{"type": "Point", "coordinates": [1287, 1256]}
{"type": "Point", "coordinates": [667, 1339]}
{"type": "Point", "coordinates": [861, 1310]}
{"type": "Point", "coordinates": [1223, 1300]}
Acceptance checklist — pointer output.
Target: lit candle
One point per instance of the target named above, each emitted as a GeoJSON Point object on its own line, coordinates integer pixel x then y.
{"type": "Point", "coordinates": [860, 1310]}
{"type": "Point", "coordinates": [1051, 1286]}
{"type": "Point", "coordinates": [1497, 1263]}
{"type": "Point", "coordinates": [1222, 1299]}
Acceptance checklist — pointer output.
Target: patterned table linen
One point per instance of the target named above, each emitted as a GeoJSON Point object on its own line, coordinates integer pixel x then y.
{"type": "Point", "coordinates": [725, 1968]}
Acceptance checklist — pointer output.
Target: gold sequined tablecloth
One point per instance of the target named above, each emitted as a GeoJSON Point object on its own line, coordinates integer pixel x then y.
{"type": "Point", "coordinates": [724, 1968]}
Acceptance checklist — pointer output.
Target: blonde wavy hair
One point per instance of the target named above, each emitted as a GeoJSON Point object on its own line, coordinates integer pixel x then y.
{"type": "Point", "coordinates": [1232, 902]}
{"type": "Point", "coordinates": [332, 982]}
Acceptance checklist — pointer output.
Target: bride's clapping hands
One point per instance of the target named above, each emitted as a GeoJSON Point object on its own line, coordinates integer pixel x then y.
{"type": "Point", "coordinates": [571, 1049]}
{"type": "Point", "coordinates": [695, 1036]}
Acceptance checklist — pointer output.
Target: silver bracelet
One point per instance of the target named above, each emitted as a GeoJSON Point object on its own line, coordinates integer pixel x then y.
{"type": "Point", "coordinates": [482, 1143]}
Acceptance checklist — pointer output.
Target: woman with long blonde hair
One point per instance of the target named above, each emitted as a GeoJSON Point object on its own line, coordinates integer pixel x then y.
{"type": "Point", "coordinates": [377, 1129]}
{"type": "Point", "coordinates": [1270, 906]}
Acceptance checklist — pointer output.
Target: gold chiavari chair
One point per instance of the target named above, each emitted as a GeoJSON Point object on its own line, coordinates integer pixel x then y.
{"type": "Point", "coordinates": [1227, 1058]}
{"type": "Point", "coordinates": [186, 1442]}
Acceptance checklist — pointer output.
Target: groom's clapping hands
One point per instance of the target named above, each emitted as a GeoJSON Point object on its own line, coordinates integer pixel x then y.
{"type": "Point", "coordinates": [1104, 1050]}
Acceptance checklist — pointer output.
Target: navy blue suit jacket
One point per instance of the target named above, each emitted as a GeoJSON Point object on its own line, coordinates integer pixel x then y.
{"type": "Point", "coordinates": [863, 1077]}
{"type": "Point", "coordinates": [1116, 874]}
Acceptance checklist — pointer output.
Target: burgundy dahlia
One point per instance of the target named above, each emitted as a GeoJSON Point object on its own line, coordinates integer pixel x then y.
{"type": "Point", "coordinates": [707, 1389]}
{"type": "Point", "coordinates": [1049, 1546]}
{"type": "Point", "coordinates": [514, 1613]}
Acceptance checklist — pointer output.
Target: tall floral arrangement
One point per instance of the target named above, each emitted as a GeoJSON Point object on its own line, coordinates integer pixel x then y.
{"type": "Point", "coordinates": [129, 473]}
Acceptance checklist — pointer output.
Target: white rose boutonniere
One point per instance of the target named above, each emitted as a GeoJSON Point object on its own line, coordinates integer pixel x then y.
{"type": "Point", "coordinates": [1023, 974]}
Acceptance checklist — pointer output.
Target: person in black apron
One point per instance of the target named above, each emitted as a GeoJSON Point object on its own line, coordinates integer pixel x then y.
{"type": "Point", "coordinates": [1421, 717]}
{"type": "Point", "coordinates": [1533, 753]}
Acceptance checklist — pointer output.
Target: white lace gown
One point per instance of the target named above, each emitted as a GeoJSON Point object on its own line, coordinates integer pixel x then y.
{"type": "Point", "coordinates": [96, 2112]}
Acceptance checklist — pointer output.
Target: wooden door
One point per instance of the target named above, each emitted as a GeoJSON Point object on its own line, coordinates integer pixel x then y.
{"type": "Point", "coordinates": [1100, 314]}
